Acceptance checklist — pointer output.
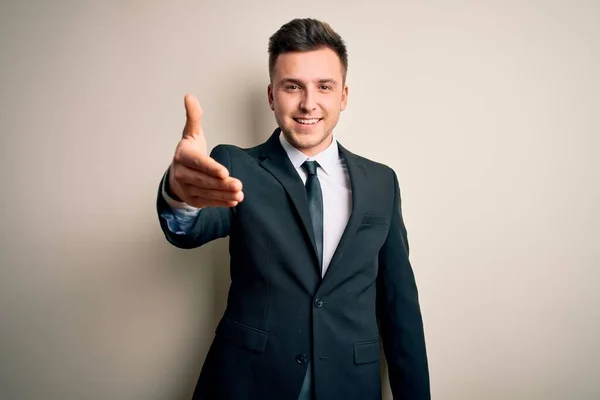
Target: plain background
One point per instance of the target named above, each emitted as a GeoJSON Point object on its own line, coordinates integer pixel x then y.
{"type": "Point", "coordinates": [487, 110]}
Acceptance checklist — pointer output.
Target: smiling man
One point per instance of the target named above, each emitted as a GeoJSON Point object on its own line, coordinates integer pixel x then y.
{"type": "Point", "coordinates": [307, 94]}
{"type": "Point", "coordinates": [320, 270]}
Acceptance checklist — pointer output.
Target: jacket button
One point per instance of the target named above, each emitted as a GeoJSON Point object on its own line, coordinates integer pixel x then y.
{"type": "Point", "coordinates": [301, 358]}
{"type": "Point", "coordinates": [318, 302]}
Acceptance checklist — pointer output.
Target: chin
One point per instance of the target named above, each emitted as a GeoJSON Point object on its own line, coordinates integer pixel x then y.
{"type": "Point", "coordinates": [304, 140]}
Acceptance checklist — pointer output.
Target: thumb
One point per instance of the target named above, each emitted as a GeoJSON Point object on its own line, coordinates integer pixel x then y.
{"type": "Point", "coordinates": [193, 113]}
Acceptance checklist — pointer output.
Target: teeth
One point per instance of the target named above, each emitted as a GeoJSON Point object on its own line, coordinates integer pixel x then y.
{"type": "Point", "coordinates": [308, 121]}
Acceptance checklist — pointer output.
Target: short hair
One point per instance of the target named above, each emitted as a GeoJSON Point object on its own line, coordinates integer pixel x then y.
{"type": "Point", "coordinates": [306, 34]}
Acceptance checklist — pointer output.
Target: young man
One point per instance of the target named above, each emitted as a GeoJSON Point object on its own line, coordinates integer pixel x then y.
{"type": "Point", "coordinates": [319, 255]}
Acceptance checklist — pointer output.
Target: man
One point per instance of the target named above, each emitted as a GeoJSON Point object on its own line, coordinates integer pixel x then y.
{"type": "Point", "coordinates": [319, 255]}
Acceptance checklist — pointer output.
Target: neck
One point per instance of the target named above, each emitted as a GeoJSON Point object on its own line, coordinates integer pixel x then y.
{"type": "Point", "coordinates": [313, 151]}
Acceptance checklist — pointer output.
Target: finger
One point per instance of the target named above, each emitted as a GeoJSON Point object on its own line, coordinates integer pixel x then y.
{"type": "Point", "coordinates": [194, 159]}
{"type": "Point", "coordinates": [193, 113]}
{"type": "Point", "coordinates": [188, 176]}
{"type": "Point", "coordinates": [211, 194]}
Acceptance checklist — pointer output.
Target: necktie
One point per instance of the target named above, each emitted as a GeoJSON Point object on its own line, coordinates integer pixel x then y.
{"type": "Point", "coordinates": [315, 205]}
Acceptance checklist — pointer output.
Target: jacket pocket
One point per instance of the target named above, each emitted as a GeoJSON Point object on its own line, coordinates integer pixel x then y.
{"type": "Point", "coordinates": [374, 219]}
{"type": "Point", "coordinates": [242, 335]}
{"type": "Point", "coordinates": [366, 352]}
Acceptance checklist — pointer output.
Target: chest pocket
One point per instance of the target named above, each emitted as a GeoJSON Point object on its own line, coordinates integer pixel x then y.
{"type": "Point", "coordinates": [374, 219]}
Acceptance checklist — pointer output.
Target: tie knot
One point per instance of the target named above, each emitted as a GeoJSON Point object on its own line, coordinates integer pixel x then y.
{"type": "Point", "coordinates": [310, 167]}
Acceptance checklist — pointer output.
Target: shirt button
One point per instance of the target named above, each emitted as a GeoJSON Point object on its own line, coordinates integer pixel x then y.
{"type": "Point", "coordinates": [318, 302]}
{"type": "Point", "coordinates": [301, 358]}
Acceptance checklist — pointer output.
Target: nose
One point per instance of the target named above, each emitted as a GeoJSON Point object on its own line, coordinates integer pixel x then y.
{"type": "Point", "coordinates": [308, 102]}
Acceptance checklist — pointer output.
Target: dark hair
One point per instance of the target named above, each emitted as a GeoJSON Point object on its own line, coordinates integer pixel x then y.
{"type": "Point", "coordinates": [304, 35]}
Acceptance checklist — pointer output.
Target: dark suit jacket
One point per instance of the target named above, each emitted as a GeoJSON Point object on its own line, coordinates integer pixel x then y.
{"type": "Point", "coordinates": [280, 313]}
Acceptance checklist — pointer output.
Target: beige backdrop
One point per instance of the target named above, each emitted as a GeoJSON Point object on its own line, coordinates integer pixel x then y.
{"type": "Point", "coordinates": [487, 110]}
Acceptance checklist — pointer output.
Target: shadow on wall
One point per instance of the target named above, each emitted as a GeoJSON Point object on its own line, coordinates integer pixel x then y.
{"type": "Point", "coordinates": [208, 270]}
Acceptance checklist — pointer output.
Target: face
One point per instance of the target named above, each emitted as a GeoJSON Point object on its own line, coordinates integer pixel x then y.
{"type": "Point", "coordinates": [307, 94]}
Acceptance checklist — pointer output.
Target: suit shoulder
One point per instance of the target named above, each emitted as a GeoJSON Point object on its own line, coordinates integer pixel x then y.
{"type": "Point", "coordinates": [372, 165]}
{"type": "Point", "coordinates": [234, 150]}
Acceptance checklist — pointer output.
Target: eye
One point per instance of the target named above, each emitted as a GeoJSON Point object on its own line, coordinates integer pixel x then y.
{"type": "Point", "coordinates": [292, 87]}
{"type": "Point", "coordinates": [325, 87]}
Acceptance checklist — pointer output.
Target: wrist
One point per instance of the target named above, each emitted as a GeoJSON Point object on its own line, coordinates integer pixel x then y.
{"type": "Point", "coordinates": [169, 187]}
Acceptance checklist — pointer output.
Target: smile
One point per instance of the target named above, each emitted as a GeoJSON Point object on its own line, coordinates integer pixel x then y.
{"type": "Point", "coordinates": [307, 121]}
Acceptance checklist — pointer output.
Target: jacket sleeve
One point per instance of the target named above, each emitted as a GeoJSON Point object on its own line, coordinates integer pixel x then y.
{"type": "Point", "coordinates": [202, 226]}
{"type": "Point", "coordinates": [399, 314]}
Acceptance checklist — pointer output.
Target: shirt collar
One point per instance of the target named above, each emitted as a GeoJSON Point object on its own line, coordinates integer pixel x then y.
{"type": "Point", "coordinates": [327, 159]}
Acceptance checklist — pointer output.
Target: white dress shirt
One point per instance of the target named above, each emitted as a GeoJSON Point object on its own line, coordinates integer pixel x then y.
{"type": "Point", "coordinates": [335, 185]}
{"type": "Point", "coordinates": [337, 192]}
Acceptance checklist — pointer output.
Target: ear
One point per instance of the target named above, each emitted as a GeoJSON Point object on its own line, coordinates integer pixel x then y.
{"type": "Point", "coordinates": [344, 98]}
{"type": "Point", "coordinates": [270, 96]}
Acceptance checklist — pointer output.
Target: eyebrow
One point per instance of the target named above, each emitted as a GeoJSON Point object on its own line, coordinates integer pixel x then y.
{"type": "Point", "coordinates": [300, 83]}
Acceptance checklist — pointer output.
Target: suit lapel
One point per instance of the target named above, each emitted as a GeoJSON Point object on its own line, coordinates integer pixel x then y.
{"type": "Point", "coordinates": [276, 161]}
{"type": "Point", "coordinates": [360, 188]}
